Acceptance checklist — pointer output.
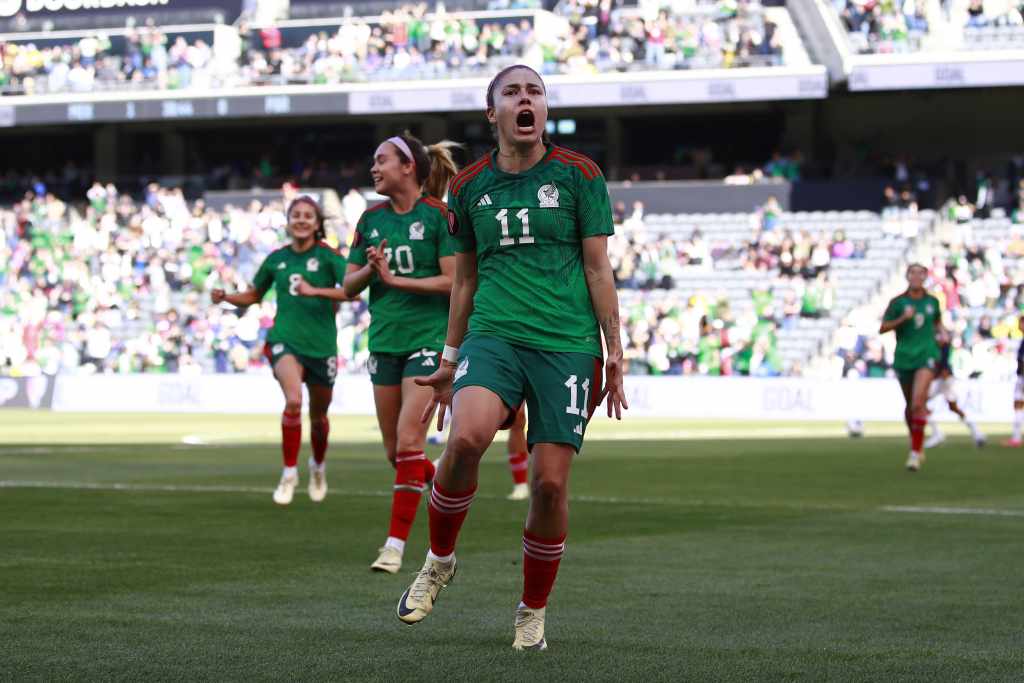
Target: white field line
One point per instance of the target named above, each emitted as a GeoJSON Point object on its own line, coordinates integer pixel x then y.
{"type": "Point", "coordinates": [604, 500]}
{"type": "Point", "coordinates": [939, 510]}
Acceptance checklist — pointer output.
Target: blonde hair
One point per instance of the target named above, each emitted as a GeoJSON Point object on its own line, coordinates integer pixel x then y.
{"type": "Point", "coordinates": [435, 165]}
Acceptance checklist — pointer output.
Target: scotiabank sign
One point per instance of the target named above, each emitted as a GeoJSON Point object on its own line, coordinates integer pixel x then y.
{"type": "Point", "coordinates": [57, 8]}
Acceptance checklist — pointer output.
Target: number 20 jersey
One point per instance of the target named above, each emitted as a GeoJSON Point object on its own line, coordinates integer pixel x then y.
{"type": "Point", "coordinates": [527, 230]}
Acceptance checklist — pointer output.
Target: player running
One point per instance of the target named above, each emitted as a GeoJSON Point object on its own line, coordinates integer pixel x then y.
{"type": "Point", "coordinates": [916, 317]}
{"type": "Point", "coordinates": [1018, 394]}
{"type": "Point", "coordinates": [302, 345]}
{"type": "Point", "coordinates": [533, 291]}
{"type": "Point", "coordinates": [402, 251]}
{"type": "Point", "coordinates": [945, 386]}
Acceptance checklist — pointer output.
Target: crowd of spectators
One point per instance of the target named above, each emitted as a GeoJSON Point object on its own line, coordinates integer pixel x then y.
{"type": "Point", "coordinates": [407, 43]}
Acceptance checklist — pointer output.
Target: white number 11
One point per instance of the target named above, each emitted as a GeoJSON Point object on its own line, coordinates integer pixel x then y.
{"type": "Point", "coordinates": [573, 407]}
{"type": "Point", "coordinates": [506, 239]}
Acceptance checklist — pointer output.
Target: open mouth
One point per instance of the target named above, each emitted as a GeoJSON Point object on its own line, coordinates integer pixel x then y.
{"type": "Point", "coordinates": [525, 121]}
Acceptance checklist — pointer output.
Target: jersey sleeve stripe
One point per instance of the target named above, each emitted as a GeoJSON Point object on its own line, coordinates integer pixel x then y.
{"type": "Point", "coordinates": [578, 164]}
{"type": "Point", "coordinates": [378, 207]}
{"type": "Point", "coordinates": [468, 174]}
{"type": "Point", "coordinates": [576, 156]}
{"type": "Point", "coordinates": [582, 161]}
{"type": "Point", "coordinates": [435, 203]}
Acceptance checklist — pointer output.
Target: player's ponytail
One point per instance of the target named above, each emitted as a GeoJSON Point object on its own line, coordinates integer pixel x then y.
{"type": "Point", "coordinates": [435, 166]}
{"type": "Point", "coordinates": [442, 168]}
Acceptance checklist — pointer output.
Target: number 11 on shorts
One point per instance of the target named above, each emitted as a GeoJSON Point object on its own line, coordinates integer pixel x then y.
{"type": "Point", "coordinates": [573, 407]}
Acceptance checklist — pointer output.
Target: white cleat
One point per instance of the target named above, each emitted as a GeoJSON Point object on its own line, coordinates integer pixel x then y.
{"type": "Point", "coordinates": [418, 599]}
{"type": "Point", "coordinates": [519, 492]}
{"type": "Point", "coordinates": [935, 440]}
{"type": "Point", "coordinates": [914, 461]}
{"type": "Point", "coordinates": [980, 441]}
{"type": "Point", "coordinates": [530, 629]}
{"type": "Point", "coordinates": [317, 484]}
{"type": "Point", "coordinates": [389, 560]}
{"type": "Point", "coordinates": [285, 490]}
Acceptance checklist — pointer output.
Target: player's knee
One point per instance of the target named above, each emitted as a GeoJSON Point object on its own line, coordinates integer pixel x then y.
{"type": "Point", "coordinates": [466, 445]}
{"type": "Point", "coordinates": [293, 404]}
{"type": "Point", "coordinates": [548, 492]}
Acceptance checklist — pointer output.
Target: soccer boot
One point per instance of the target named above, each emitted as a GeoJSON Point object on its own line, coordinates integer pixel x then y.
{"type": "Point", "coordinates": [519, 492]}
{"type": "Point", "coordinates": [418, 599]}
{"type": "Point", "coordinates": [934, 440]}
{"type": "Point", "coordinates": [529, 629]}
{"type": "Point", "coordinates": [389, 560]}
{"type": "Point", "coordinates": [285, 490]}
{"type": "Point", "coordinates": [914, 461]}
{"type": "Point", "coordinates": [317, 483]}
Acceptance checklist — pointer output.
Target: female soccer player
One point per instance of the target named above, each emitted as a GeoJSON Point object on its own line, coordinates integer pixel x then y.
{"type": "Point", "coordinates": [533, 291]}
{"type": "Point", "coordinates": [916, 317]}
{"type": "Point", "coordinates": [1018, 394]}
{"type": "Point", "coordinates": [403, 252]}
{"type": "Point", "coordinates": [302, 345]}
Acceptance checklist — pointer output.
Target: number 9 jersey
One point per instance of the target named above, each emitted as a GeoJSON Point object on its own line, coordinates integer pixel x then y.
{"type": "Point", "coordinates": [527, 230]}
{"type": "Point", "coordinates": [306, 324]}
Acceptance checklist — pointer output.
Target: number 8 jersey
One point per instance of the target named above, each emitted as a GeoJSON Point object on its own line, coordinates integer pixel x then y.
{"type": "Point", "coordinates": [527, 230]}
{"type": "Point", "coordinates": [401, 322]}
{"type": "Point", "coordinates": [308, 324]}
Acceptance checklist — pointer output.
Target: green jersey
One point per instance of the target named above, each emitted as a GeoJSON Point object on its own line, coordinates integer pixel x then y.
{"type": "Point", "coordinates": [401, 322]}
{"type": "Point", "coordinates": [527, 230]}
{"type": "Point", "coordinates": [305, 323]}
{"type": "Point", "coordinates": [916, 346]}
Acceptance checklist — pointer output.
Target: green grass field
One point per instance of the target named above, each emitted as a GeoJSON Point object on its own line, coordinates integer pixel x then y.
{"type": "Point", "coordinates": [720, 552]}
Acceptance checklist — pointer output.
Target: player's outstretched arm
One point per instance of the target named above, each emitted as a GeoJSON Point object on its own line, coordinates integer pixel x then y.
{"type": "Point", "coordinates": [464, 286]}
{"type": "Point", "coordinates": [601, 283]}
{"type": "Point", "coordinates": [303, 288]}
{"type": "Point", "coordinates": [241, 299]}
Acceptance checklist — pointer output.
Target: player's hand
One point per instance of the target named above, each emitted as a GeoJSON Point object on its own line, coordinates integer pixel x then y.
{"type": "Point", "coordinates": [908, 313]}
{"type": "Point", "coordinates": [613, 386]}
{"type": "Point", "coordinates": [218, 296]}
{"type": "Point", "coordinates": [441, 382]}
{"type": "Point", "coordinates": [303, 288]}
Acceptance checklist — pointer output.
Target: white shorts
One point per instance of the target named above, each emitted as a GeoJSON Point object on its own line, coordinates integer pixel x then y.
{"type": "Point", "coordinates": [945, 388]}
{"type": "Point", "coordinates": [1018, 389]}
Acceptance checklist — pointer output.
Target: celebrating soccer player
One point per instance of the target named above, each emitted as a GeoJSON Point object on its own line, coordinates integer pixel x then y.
{"type": "Point", "coordinates": [916, 317]}
{"type": "Point", "coordinates": [533, 291]}
{"type": "Point", "coordinates": [403, 252]}
{"type": "Point", "coordinates": [302, 346]}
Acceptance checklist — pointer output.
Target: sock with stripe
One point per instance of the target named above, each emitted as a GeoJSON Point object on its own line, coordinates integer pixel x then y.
{"type": "Point", "coordinates": [408, 489]}
{"type": "Point", "coordinates": [541, 557]}
{"type": "Point", "coordinates": [318, 433]}
{"type": "Point", "coordinates": [519, 466]}
{"type": "Point", "coordinates": [291, 437]}
{"type": "Point", "coordinates": [447, 511]}
{"type": "Point", "coordinates": [917, 425]}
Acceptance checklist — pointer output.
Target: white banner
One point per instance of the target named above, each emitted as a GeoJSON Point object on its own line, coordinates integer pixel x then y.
{"type": "Point", "coordinates": [946, 70]}
{"type": "Point", "coordinates": [678, 397]}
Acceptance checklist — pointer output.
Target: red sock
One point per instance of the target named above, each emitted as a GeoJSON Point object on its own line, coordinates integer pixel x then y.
{"type": "Point", "coordinates": [447, 512]}
{"type": "Point", "coordinates": [540, 567]}
{"type": "Point", "coordinates": [291, 437]}
{"type": "Point", "coordinates": [428, 470]}
{"type": "Point", "coordinates": [917, 426]}
{"type": "Point", "coordinates": [519, 465]}
{"type": "Point", "coordinates": [318, 431]}
{"type": "Point", "coordinates": [408, 489]}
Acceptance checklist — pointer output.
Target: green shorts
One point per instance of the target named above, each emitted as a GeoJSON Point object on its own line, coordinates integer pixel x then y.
{"type": "Point", "coordinates": [388, 369]}
{"type": "Point", "coordinates": [561, 390]}
{"type": "Point", "coordinates": [906, 375]}
{"type": "Point", "coordinates": [321, 371]}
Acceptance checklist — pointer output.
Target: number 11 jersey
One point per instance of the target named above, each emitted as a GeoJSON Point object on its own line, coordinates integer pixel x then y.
{"type": "Point", "coordinates": [527, 230]}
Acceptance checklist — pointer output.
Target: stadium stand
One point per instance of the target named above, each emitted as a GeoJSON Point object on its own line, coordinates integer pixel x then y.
{"type": "Point", "coordinates": [403, 43]}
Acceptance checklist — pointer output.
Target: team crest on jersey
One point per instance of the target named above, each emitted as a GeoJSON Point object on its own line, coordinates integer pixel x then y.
{"type": "Point", "coordinates": [416, 231]}
{"type": "Point", "coordinates": [371, 365]}
{"type": "Point", "coordinates": [312, 265]}
{"type": "Point", "coordinates": [462, 369]}
{"type": "Point", "coordinates": [547, 195]}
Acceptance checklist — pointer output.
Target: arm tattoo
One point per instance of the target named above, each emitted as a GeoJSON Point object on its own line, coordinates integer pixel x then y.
{"type": "Point", "coordinates": [610, 326]}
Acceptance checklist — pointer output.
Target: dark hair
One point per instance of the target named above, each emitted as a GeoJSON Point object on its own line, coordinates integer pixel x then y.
{"type": "Point", "coordinates": [435, 166]}
{"type": "Point", "coordinates": [321, 232]}
{"type": "Point", "coordinates": [494, 84]}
